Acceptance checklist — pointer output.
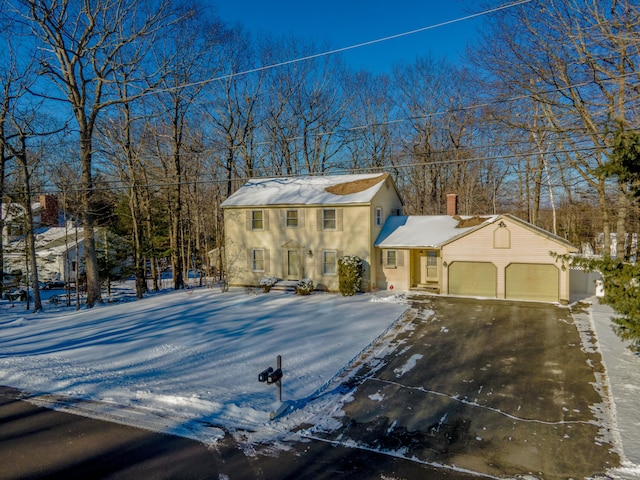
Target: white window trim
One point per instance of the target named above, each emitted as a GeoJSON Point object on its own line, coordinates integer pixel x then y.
{"type": "Point", "coordinates": [252, 220]}
{"type": "Point", "coordinates": [286, 218]}
{"type": "Point", "coordinates": [387, 263]}
{"type": "Point", "coordinates": [324, 264]}
{"type": "Point", "coordinates": [379, 216]}
{"type": "Point", "coordinates": [253, 259]}
{"type": "Point", "coordinates": [335, 219]}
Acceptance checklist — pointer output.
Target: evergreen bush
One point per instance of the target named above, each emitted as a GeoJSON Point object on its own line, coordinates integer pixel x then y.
{"type": "Point", "coordinates": [349, 274]}
{"type": "Point", "coordinates": [304, 287]}
{"type": "Point", "coordinates": [267, 282]}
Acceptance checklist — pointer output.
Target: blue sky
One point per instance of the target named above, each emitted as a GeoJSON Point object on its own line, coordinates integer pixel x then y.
{"type": "Point", "coordinates": [341, 23]}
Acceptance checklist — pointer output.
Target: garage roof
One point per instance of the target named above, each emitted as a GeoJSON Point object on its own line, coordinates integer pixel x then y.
{"type": "Point", "coordinates": [427, 230]}
{"type": "Point", "coordinates": [437, 230]}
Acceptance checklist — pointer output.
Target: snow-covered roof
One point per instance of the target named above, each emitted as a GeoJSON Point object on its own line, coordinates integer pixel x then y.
{"type": "Point", "coordinates": [427, 230]}
{"type": "Point", "coordinates": [319, 190]}
{"type": "Point", "coordinates": [13, 211]}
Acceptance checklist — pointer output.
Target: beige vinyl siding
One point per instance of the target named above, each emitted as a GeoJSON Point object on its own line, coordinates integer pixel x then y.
{"type": "Point", "coordinates": [524, 246]}
{"type": "Point", "coordinates": [396, 278]}
{"type": "Point", "coordinates": [351, 239]}
{"type": "Point", "coordinates": [386, 198]}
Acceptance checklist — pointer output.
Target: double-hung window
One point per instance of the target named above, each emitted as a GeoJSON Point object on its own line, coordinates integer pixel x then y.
{"type": "Point", "coordinates": [292, 219]}
{"type": "Point", "coordinates": [329, 262]}
{"type": "Point", "coordinates": [390, 258]}
{"type": "Point", "coordinates": [257, 220]}
{"type": "Point", "coordinates": [329, 219]}
{"type": "Point", "coordinates": [379, 218]}
{"type": "Point", "coordinates": [257, 260]}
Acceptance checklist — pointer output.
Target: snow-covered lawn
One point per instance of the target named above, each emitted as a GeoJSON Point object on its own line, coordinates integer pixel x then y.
{"type": "Point", "coordinates": [187, 361]}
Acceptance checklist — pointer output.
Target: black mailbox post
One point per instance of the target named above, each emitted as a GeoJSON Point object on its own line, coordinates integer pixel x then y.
{"type": "Point", "coordinates": [272, 376]}
{"type": "Point", "coordinates": [263, 376]}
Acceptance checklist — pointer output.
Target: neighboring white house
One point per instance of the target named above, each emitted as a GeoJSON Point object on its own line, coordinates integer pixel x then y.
{"type": "Point", "coordinates": [56, 253]}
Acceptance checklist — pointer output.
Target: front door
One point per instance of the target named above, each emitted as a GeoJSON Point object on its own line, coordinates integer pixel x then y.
{"type": "Point", "coordinates": [417, 260]}
{"type": "Point", "coordinates": [293, 264]}
{"type": "Point", "coordinates": [431, 266]}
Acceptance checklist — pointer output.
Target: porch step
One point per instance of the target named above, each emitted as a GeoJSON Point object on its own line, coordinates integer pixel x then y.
{"type": "Point", "coordinates": [285, 285]}
{"type": "Point", "coordinates": [427, 287]}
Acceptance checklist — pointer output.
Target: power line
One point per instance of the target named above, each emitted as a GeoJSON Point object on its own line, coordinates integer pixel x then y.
{"type": "Point", "coordinates": [333, 168]}
{"type": "Point", "coordinates": [341, 49]}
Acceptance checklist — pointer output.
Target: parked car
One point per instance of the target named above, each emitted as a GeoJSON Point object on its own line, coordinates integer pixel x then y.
{"type": "Point", "coordinates": [54, 285]}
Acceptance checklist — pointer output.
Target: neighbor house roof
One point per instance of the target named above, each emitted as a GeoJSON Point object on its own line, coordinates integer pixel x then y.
{"type": "Point", "coordinates": [438, 230]}
{"type": "Point", "coordinates": [317, 190]}
{"type": "Point", "coordinates": [427, 230]}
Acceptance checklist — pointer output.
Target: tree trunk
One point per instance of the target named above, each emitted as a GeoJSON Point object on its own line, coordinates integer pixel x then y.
{"type": "Point", "coordinates": [94, 294]}
{"type": "Point", "coordinates": [621, 223]}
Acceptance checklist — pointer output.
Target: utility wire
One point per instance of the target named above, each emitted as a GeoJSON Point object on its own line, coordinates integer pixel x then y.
{"type": "Point", "coordinates": [341, 49]}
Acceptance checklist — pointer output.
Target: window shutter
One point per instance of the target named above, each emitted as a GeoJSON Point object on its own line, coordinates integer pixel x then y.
{"type": "Point", "coordinates": [400, 258]}
{"type": "Point", "coordinates": [300, 218]}
{"type": "Point", "coordinates": [339, 219]}
{"type": "Point", "coordinates": [319, 219]}
{"type": "Point", "coordinates": [381, 257]}
{"type": "Point", "coordinates": [248, 212]}
{"type": "Point", "coordinates": [249, 259]}
{"type": "Point", "coordinates": [265, 220]}
{"type": "Point", "coordinates": [266, 260]}
{"type": "Point", "coordinates": [320, 257]}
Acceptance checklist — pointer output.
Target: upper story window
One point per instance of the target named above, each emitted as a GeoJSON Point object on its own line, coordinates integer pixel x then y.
{"type": "Point", "coordinates": [257, 220]}
{"type": "Point", "coordinates": [292, 219]}
{"type": "Point", "coordinates": [329, 219]}
{"type": "Point", "coordinates": [379, 218]}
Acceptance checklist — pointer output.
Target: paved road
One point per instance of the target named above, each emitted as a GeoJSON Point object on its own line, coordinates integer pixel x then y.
{"type": "Point", "coordinates": [37, 443]}
{"type": "Point", "coordinates": [492, 387]}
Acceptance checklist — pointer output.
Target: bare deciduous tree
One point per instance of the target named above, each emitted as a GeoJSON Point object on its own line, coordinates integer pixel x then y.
{"type": "Point", "coordinates": [82, 45]}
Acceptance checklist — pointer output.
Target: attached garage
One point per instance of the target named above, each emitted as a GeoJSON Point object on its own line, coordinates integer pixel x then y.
{"type": "Point", "coordinates": [493, 256]}
{"type": "Point", "coordinates": [476, 279]}
{"type": "Point", "coordinates": [527, 281]}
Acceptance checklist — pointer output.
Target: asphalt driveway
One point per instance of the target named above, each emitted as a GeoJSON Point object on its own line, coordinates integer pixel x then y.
{"type": "Point", "coordinates": [493, 387]}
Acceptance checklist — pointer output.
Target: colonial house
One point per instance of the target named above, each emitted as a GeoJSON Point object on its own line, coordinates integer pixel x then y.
{"type": "Point", "coordinates": [295, 228]}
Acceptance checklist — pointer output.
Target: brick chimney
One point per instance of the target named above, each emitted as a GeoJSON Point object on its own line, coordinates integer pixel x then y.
{"type": "Point", "coordinates": [452, 204]}
{"type": "Point", "coordinates": [49, 215]}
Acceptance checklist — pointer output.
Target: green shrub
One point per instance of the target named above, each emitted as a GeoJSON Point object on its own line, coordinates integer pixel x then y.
{"type": "Point", "coordinates": [349, 274]}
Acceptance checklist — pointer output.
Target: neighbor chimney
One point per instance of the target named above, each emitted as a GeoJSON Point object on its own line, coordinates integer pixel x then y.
{"type": "Point", "coordinates": [452, 204]}
{"type": "Point", "coordinates": [49, 215]}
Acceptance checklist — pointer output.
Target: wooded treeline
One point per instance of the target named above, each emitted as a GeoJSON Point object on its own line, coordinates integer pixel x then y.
{"type": "Point", "coordinates": [145, 116]}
